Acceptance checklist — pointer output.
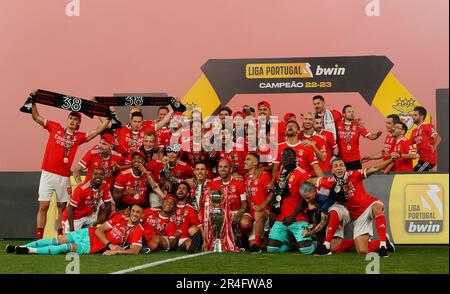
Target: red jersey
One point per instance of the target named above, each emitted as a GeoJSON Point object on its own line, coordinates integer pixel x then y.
{"type": "Point", "coordinates": [236, 157]}
{"type": "Point", "coordinates": [121, 233]}
{"type": "Point", "coordinates": [403, 146]}
{"type": "Point", "coordinates": [358, 200]}
{"type": "Point", "coordinates": [348, 139]}
{"type": "Point", "coordinates": [321, 144]}
{"type": "Point", "coordinates": [289, 203]}
{"type": "Point", "coordinates": [156, 225]}
{"type": "Point", "coordinates": [306, 156]}
{"type": "Point", "coordinates": [149, 126]}
{"type": "Point", "coordinates": [257, 190]}
{"type": "Point", "coordinates": [126, 180]}
{"type": "Point", "coordinates": [58, 142]}
{"type": "Point", "coordinates": [185, 217]}
{"type": "Point", "coordinates": [330, 144]}
{"type": "Point", "coordinates": [422, 136]}
{"type": "Point", "coordinates": [86, 200]}
{"type": "Point", "coordinates": [93, 159]}
{"type": "Point", "coordinates": [234, 189]}
{"type": "Point", "coordinates": [128, 139]}
{"type": "Point", "coordinates": [388, 146]}
{"type": "Point", "coordinates": [164, 135]}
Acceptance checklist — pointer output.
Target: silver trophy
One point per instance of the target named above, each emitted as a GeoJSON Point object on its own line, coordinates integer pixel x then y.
{"type": "Point", "coordinates": [216, 216]}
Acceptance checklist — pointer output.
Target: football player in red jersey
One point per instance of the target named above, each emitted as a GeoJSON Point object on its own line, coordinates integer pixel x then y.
{"type": "Point", "coordinates": [131, 185]}
{"type": "Point", "coordinates": [331, 147]}
{"type": "Point", "coordinates": [187, 220]}
{"type": "Point", "coordinates": [265, 111]}
{"type": "Point", "coordinates": [84, 206]}
{"type": "Point", "coordinates": [160, 231]}
{"type": "Point", "coordinates": [236, 219]}
{"type": "Point", "coordinates": [256, 183]}
{"type": "Point", "coordinates": [402, 149]}
{"type": "Point", "coordinates": [306, 158]}
{"type": "Point", "coordinates": [363, 208]}
{"type": "Point", "coordinates": [60, 152]}
{"type": "Point", "coordinates": [309, 138]}
{"type": "Point", "coordinates": [329, 117]}
{"type": "Point", "coordinates": [198, 184]}
{"type": "Point", "coordinates": [290, 218]}
{"type": "Point", "coordinates": [119, 235]}
{"type": "Point", "coordinates": [426, 139]}
{"type": "Point", "coordinates": [101, 156]}
{"type": "Point", "coordinates": [171, 167]}
{"type": "Point", "coordinates": [389, 142]}
{"type": "Point", "coordinates": [349, 131]}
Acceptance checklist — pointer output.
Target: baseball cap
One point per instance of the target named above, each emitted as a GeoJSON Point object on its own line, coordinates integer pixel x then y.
{"type": "Point", "coordinates": [108, 138]}
{"type": "Point", "coordinates": [288, 115]}
{"type": "Point", "coordinates": [264, 103]}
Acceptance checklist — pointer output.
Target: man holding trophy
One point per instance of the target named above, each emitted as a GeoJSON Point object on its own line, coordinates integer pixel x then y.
{"type": "Point", "coordinates": [224, 207]}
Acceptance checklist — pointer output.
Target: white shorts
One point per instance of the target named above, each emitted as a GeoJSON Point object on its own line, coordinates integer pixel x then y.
{"type": "Point", "coordinates": [50, 183]}
{"type": "Point", "coordinates": [364, 223]}
{"type": "Point", "coordinates": [168, 243]}
{"type": "Point", "coordinates": [181, 241]}
{"type": "Point", "coordinates": [78, 224]}
{"type": "Point", "coordinates": [344, 218]}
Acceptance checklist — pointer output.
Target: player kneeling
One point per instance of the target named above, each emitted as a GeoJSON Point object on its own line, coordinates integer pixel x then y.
{"type": "Point", "coordinates": [364, 209]}
{"type": "Point", "coordinates": [114, 235]}
{"type": "Point", "coordinates": [187, 220]}
{"type": "Point", "coordinates": [291, 218]}
{"type": "Point", "coordinates": [159, 228]}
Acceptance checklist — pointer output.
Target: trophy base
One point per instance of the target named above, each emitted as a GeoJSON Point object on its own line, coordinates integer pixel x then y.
{"type": "Point", "coordinates": [217, 246]}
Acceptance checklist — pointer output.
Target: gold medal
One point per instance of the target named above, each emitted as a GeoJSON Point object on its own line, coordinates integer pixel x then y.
{"type": "Point", "coordinates": [66, 160]}
{"type": "Point", "coordinates": [136, 196]}
{"type": "Point", "coordinates": [349, 147]}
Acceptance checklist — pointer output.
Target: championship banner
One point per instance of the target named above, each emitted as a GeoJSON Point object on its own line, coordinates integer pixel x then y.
{"type": "Point", "coordinates": [370, 76]}
{"type": "Point", "coordinates": [134, 100]}
{"type": "Point", "coordinates": [67, 102]}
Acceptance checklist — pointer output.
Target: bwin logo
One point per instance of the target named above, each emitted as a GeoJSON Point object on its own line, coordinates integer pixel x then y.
{"type": "Point", "coordinates": [330, 71]}
{"type": "Point", "coordinates": [424, 209]}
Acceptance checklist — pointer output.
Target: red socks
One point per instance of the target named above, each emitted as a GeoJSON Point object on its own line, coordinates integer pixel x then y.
{"type": "Point", "coordinates": [258, 240]}
{"type": "Point", "coordinates": [374, 245]}
{"type": "Point", "coordinates": [380, 224]}
{"type": "Point", "coordinates": [345, 246]}
{"type": "Point", "coordinates": [39, 233]}
{"type": "Point", "coordinates": [333, 225]}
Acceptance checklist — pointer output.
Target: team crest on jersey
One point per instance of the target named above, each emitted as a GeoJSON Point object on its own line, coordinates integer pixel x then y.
{"type": "Point", "coordinates": [300, 153]}
{"type": "Point", "coordinates": [233, 189]}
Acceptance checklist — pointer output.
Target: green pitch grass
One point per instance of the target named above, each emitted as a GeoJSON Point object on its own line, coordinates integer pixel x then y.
{"type": "Point", "coordinates": [425, 259]}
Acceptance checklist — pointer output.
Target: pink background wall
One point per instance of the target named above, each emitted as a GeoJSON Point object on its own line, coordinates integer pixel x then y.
{"type": "Point", "coordinates": [148, 46]}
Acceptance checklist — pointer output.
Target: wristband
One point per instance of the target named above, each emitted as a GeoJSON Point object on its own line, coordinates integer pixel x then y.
{"type": "Point", "coordinates": [107, 244]}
